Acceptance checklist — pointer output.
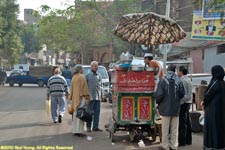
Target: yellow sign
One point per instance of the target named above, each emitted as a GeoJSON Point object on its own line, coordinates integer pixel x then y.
{"type": "Point", "coordinates": [207, 29]}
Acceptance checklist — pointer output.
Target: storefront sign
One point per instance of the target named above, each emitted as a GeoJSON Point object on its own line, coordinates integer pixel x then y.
{"type": "Point", "coordinates": [209, 13]}
{"type": "Point", "coordinates": [207, 29]}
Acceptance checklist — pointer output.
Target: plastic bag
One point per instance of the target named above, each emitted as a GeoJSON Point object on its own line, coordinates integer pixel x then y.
{"type": "Point", "coordinates": [202, 119]}
{"type": "Point", "coordinates": [48, 106]}
{"type": "Point", "coordinates": [70, 109]}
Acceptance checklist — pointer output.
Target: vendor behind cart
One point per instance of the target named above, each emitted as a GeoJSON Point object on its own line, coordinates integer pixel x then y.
{"type": "Point", "coordinates": [157, 68]}
{"type": "Point", "coordinates": [149, 62]}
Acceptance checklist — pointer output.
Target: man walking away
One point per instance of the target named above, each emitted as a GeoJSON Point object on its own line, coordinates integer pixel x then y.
{"type": "Point", "coordinates": [94, 82]}
{"type": "Point", "coordinates": [57, 89]}
{"type": "Point", "coordinates": [168, 94]}
{"type": "Point", "coordinates": [184, 135]}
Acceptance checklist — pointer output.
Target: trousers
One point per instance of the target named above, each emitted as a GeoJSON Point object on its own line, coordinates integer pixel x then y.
{"type": "Point", "coordinates": [57, 107]}
{"type": "Point", "coordinates": [170, 132]}
{"type": "Point", "coordinates": [94, 108]}
{"type": "Point", "coordinates": [184, 136]}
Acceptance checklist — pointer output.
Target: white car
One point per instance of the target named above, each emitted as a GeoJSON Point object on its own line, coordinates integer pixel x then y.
{"type": "Point", "coordinates": [105, 78]}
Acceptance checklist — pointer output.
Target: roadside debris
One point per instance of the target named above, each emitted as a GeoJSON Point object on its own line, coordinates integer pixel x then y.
{"type": "Point", "coordinates": [141, 144]}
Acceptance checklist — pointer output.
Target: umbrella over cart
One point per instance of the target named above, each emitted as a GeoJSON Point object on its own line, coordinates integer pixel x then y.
{"type": "Point", "coordinates": [148, 29]}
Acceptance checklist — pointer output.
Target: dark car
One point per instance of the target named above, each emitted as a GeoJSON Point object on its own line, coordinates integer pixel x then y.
{"type": "Point", "coordinates": [21, 77]}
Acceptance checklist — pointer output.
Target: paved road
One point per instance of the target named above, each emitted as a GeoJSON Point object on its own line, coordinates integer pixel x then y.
{"type": "Point", "coordinates": [24, 124]}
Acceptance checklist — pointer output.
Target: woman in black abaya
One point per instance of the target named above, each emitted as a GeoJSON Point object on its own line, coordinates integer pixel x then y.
{"type": "Point", "coordinates": [214, 105]}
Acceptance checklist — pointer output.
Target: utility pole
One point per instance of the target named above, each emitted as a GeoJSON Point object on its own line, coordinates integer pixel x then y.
{"type": "Point", "coordinates": [165, 46]}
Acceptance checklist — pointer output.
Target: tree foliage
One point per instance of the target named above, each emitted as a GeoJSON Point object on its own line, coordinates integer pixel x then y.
{"type": "Point", "coordinates": [10, 42]}
{"type": "Point", "coordinates": [85, 24]}
{"type": "Point", "coordinates": [30, 39]}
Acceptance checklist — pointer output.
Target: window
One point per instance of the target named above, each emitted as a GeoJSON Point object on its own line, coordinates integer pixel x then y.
{"type": "Point", "coordinates": [221, 49]}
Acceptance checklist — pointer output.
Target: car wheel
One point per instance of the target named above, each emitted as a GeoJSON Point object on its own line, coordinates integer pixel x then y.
{"type": "Point", "coordinates": [41, 83]}
{"type": "Point", "coordinates": [11, 83]}
{"type": "Point", "coordinates": [20, 84]}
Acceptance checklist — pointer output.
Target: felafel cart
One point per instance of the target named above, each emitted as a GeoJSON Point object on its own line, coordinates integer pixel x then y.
{"type": "Point", "coordinates": [133, 104]}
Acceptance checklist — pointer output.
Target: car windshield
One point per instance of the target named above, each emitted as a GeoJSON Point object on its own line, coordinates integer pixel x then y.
{"type": "Point", "coordinates": [16, 72]}
{"type": "Point", "coordinates": [101, 71]}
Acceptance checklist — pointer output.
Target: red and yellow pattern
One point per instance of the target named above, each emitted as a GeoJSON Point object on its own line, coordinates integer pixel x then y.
{"type": "Point", "coordinates": [144, 108]}
{"type": "Point", "coordinates": [127, 108]}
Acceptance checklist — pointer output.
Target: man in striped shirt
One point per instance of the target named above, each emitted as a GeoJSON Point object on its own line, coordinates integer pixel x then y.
{"type": "Point", "coordinates": [57, 89]}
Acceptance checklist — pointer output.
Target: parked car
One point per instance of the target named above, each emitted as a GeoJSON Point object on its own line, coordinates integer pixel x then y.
{"type": "Point", "coordinates": [36, 75]}
{"type": "Point", "coordinates": [24, 78]}
{"type": "Point", "coordinates": [105, 79]}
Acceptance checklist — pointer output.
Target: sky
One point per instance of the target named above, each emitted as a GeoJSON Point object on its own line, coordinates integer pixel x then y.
{"type": "Point", "coordinates": [35, 4]}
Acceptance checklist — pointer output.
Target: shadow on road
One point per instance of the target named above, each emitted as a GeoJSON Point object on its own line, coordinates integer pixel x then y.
{"type": "Point", "coordinates": [16, 126]}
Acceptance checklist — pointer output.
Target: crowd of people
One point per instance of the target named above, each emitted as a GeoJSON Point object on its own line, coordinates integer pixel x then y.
{"type": "Point", "coordinates": [173, 94]}
{"type": "Point", "coordinates": [82, 91]}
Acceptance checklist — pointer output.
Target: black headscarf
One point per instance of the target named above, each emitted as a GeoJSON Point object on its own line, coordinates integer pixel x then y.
{"type": "Point", "coordinates": [217, 75]}
{"type": "Point", "coordinates": [217, 72]}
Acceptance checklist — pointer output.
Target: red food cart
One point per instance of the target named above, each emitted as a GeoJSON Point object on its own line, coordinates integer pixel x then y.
{"type": "Point", "coordinates": [133, 104]}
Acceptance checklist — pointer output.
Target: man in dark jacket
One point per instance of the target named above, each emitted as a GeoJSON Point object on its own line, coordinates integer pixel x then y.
{"type": "Point", "coordinates": [168, 94]}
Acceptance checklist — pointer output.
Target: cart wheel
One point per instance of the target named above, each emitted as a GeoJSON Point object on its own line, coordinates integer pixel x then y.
{"type": "Point", "coordinates": [132, 136]}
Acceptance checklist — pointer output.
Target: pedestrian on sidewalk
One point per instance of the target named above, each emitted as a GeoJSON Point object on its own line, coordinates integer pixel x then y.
{"type": "Point", "coordinates": [214, 106]}
{"type": "Point", "coordinates": [66, 73]}
{"type": "Point", "coordinates": [57, 91]}
{"type": "Point", "coordinates": [168, 94]}
{"type": "Point", "coordinates": [80, 97]}
{"type": "Point", "coordinates": [184, 134]}
{"type": "Point", "coordinates": [94, 82]}
{"type": "Point", "coordinates": [3, 76]}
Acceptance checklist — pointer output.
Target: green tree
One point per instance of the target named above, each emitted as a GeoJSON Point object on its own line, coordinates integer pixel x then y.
{"type": "Point", "coordinates": [85, 24]}
{"type": "Point", "coordinates": [10, 46]}
{"type": "Point", "coordinates": [30, 39]}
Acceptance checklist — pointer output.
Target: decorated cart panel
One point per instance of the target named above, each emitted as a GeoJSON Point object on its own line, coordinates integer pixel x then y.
{"type": "Point", "coordinates": [133, 101]}
{"type": "Point", "coordinates": [135, 108]}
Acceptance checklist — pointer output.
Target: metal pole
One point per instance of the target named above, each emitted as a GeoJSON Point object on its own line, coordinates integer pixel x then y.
{"type": "Point", "coordinates": [168, 8]}
{"type": "Point", "coordinates": [165, 45]}
{"type": "Point", "coordinates": [164, 57]}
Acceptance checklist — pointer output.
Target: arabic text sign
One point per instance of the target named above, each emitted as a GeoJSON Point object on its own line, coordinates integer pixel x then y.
{"type": "Point", "coordinates": [206, 29]}
{"type": "Point", "coordinates": [144, 108]}
{"type": "Point", "coordinates": [127, 108]}
{"type": "Point", "coordinates": [132, 88]}
{"type": "Point", "coordinates": [133, 79]}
